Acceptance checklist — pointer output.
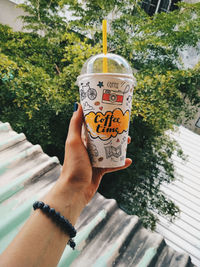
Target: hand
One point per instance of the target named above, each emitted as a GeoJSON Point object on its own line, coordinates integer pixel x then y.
{"type": "Point", "coordinates": [41, 242]}
{"type": "Point", "coordinates": [78, 178]}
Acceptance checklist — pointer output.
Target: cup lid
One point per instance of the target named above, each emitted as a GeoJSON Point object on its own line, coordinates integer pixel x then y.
{"type": "Point", "coordinates": [115, 63]}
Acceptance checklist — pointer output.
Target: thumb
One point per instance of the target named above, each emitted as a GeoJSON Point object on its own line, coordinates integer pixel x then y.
{"type": "Point", "coordinates": [76, 124]}
{"type": "Point", "coordinates": [128, 162]}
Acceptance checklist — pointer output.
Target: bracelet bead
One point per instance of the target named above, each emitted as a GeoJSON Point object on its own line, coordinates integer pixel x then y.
{"type": "Point", "coordinates": [46, 208]}
{"type": "Point", "coordinates": [40, 204]}
{"type": "Point", "coordinates": [52, 211]}
{"type": "Point", "coordinates": [57, 214]}
{"type": "Point", "coordinates": [60, 220]}
{"type": "Point", "coordinates": [71, 243]}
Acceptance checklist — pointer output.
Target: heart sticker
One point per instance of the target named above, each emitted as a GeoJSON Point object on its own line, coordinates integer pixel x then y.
{"type": "Point", "coordinates": [100, 108]}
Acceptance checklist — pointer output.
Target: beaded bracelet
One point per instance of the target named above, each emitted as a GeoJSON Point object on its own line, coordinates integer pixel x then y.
{"type": "Point", "coordinates": [60, 220]}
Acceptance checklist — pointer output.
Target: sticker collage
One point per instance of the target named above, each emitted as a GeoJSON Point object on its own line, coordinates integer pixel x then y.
{"type": "Point", "coordinates": [107, 107]}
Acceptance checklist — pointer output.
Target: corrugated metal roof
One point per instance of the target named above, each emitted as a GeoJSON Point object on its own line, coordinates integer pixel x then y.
{"type": "Point", "coordinates": [106, 235]}
{"type": "Point", "coordinates": [184, 234]}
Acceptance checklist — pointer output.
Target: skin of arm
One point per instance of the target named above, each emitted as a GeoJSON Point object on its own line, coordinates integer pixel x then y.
{"type": "Point", "coordinates": [40, 243]}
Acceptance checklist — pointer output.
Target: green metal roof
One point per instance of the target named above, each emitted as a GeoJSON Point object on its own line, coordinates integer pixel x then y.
{"type": "Point", "coordinates": [106, 235]}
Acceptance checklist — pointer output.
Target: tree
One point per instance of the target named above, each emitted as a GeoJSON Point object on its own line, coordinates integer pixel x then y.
{"type": "Point", "coordinates": [38, 75]}
{"type": "Point", "coordinates": [44, 17]}
{"type": "Point", "coordinates": [37, 81]}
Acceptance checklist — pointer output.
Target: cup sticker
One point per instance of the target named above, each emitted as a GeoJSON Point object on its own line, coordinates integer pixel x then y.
{"type": "Point", "coordinates": [112, 97]}
{"type": "Point", "coordinates": [87, 92]}
{"type": "Point", "coordinates": [110, 124]}
{"type": "Point", "coordinates": [112, 151]}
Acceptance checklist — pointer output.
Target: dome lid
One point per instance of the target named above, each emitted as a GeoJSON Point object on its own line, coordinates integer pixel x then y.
{"type": "Point", "coordinates": [115, 63]}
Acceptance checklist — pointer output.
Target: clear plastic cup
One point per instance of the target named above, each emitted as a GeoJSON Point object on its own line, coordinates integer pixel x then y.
{"type": "Point", "coordinates": [106, 99]}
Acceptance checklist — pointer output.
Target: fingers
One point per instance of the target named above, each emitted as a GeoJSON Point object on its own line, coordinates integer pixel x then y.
{"type": "Point", "coordinates": [128, 162]}
{"type": "Point", "coordinates": [76, 124]}
{"type": "Point", "coordinates": [83, 135]}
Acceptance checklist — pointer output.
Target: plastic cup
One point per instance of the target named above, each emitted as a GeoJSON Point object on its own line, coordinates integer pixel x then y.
{"type": "Point", "coordinates": [106, 99]}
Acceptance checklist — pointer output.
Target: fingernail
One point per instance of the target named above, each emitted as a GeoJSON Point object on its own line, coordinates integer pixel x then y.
{"type": "Point", "coordinates": [75, 106]}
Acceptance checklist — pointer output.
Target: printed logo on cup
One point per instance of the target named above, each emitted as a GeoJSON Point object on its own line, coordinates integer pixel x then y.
{"type": "Point", "coordinates": [110, 124]}
{"type": "Point", "coordinates": [112, 97]}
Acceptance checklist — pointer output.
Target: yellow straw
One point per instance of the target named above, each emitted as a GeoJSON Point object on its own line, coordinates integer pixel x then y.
{"type": "Point", "coordinates": [105, 62]}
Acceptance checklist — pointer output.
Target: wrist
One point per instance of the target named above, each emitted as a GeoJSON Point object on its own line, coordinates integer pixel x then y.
{"type": "Point", "coordinates": [68, 203]}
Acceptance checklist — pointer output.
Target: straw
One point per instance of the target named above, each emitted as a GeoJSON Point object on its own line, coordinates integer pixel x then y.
{"type": "Point", "coordinates": [105, 62]}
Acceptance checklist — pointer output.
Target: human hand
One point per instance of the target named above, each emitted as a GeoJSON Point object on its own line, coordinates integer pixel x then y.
{"type": "Point", "coordinates": [40, 242]}
{"type": "Point", "coordinates": [78, 178]}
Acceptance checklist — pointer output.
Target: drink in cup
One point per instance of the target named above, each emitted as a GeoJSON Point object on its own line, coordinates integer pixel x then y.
{"type": "Point", "coordinates": [106, 87]}
{"type": "Point", "coordinates": [106, 99]}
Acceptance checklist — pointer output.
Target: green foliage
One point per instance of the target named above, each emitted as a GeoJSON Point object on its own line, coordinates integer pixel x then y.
{"type": "Point", "coordinates": [38, 86]}
{"type": "Point", "coordinates": [36, 98]}
{"type": "Point", "coordinates": [43, 16]}
{"type": "Point", "coordinates": [137, 189]}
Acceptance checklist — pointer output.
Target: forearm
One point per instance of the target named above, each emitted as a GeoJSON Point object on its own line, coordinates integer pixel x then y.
{"type": "Point", "coordinates": [41, 242]}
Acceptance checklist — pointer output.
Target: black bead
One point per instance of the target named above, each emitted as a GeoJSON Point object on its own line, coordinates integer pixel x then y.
{"type": "Point", "coordinates": [71, 243]}
{"type": "Point", "coordinates": [68, 223]}
{"type": "Point", "coordinates": [40, 204]}
{"type": "Point", "coordinates": [62, 220]}
{"type": "Point", "coordinates": [46, 208]}
{"type": "Point", "coordinates": [73, 233]}
{"type": "Point", "coordinates": [52, 211]}
{"type": "Point", "coordinates": [35, 205]}
{"type": "Point", "coordinates": [57, 214]}
{"type": "Point", "coordinates": [56, 217]}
